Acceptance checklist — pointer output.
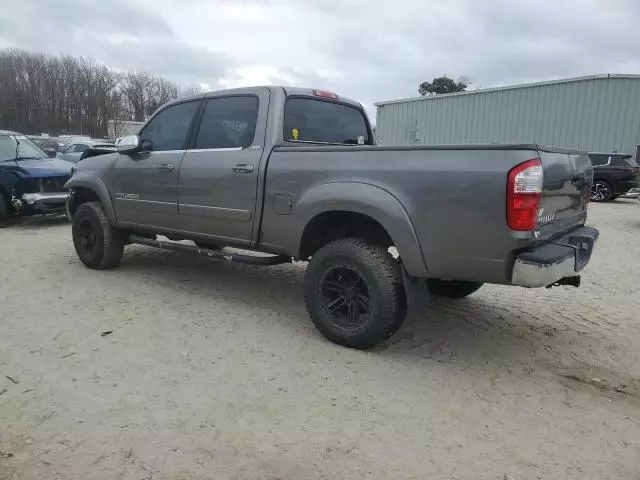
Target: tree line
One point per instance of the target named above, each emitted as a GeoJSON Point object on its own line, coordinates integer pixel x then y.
{"type": "Point", "coordinates": [61, 94]}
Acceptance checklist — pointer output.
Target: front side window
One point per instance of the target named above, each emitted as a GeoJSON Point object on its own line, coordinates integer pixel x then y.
{"type": "Point", "coordinates": [168, 130]}
{"type": "Point", "coordinates": [318, 121]}
{"type": "Point", "coordinates": [81, 147]}
{"type": "Point", "coordinates": [228, 122]}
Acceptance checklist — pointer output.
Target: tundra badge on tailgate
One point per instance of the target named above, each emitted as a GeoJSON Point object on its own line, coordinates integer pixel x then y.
{"type": "Point", "coordinates": [544, 219]}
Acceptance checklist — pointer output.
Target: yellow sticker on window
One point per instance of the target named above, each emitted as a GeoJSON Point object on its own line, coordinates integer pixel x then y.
{"type": "Point", "coordinates": [295, 133]}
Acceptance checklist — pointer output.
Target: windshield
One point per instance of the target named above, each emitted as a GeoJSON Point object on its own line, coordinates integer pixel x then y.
{"type": "Point", "coordinates": [18, 146]}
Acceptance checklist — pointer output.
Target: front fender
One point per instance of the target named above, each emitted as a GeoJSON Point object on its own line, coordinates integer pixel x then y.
{"type": "Point", "coordinates": [94, 183]}
{"type": "Point", "coordinates": [369, 200]}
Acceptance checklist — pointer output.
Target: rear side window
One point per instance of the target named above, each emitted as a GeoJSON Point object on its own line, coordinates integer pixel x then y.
{"type": "Point", "coordinates": [623, 161]}
{"type": "Point", "coordinates": [318, 121]}
{"type": "Point", "coordinates": [228, 122]}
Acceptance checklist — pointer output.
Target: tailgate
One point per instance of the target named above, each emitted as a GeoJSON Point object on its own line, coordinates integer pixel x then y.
{"type": "Point", "coordinates": [566, 191]}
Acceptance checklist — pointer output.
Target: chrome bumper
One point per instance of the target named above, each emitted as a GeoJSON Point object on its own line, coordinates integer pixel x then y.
{"type": "Point", "coordinates": [561, 258]}
{"type": "Point", "coordinates": [45, 202]}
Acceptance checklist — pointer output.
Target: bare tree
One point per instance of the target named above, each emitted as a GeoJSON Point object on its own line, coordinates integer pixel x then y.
{"type": "Point", "coordinates": [190, 90]}
{"type": "Point", "coordinates": [63, 94]}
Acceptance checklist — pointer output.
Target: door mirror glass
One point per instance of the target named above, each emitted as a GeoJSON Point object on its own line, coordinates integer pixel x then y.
{"type": "Point", "coordinates": [130, 144]}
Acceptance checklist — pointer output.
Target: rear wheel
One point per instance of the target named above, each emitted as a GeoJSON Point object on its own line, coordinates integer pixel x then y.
{"type": "Point", "coordinates": [601, 191]}
{"type": "Point", "coordinates": [98, 244]}
{"type": "Point", "coordinates": [354, 293]}
{"type": "Point", "coordinates": [452, 288]}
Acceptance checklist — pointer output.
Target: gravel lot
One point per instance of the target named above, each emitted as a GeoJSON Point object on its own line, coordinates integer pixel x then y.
{"type": "Point", "coordinates": [214, 371]}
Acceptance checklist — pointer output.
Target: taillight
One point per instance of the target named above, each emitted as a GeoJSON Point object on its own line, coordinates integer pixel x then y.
{"type": "Point", "coordinates": [524, 188]}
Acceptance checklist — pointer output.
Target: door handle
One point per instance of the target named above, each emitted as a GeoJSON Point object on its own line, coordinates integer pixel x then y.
{"type": "Point", "coordinates": [243, 168]}
{"type": "Point", "coordinates": [166, 167]}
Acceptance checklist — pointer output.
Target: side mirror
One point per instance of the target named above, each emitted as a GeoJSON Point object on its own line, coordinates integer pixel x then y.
{"type": "Point", "coordinates": [51, 152]}
{"type": "Point", "coordinates": [130, 144]}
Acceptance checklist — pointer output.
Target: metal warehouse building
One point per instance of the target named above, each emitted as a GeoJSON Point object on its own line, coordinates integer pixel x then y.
{"type": "Point", "coordinates": [598, 113]}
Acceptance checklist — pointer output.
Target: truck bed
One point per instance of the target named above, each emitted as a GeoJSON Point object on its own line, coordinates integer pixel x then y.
{"type": "Point", "coordinates": [453, 195]}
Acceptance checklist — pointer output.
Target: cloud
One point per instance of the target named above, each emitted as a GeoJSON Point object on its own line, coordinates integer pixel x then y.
{"type": "Point", "coordinates": [371, 51]}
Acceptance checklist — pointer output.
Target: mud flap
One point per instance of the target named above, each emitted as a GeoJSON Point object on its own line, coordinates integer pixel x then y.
{"type": "Point", "coordinates": [416, 290]}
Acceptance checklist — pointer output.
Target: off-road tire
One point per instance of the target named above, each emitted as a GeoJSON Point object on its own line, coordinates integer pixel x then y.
{"type": "Point", "coordinates": [382, 276]}
{"type": "Point", "coordinates": [452, 288]}
{"type": "Point", "coordinates": [109, 241]}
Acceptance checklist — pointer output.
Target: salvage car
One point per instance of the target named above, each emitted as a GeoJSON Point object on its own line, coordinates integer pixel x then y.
{"type": "Point", "coordinates": [30, 181]}
{"type": "Point", "coordinates": [294, 173]}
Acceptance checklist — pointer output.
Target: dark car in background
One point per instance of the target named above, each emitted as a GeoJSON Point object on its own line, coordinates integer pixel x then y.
{"type": "Point", "coordinates": [30, 181]}
{"type": "Point", "coordinates": [614, 174]}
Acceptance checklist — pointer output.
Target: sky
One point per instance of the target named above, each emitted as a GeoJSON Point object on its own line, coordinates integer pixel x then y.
{"type": "Point", "coordinates": [370, 51]}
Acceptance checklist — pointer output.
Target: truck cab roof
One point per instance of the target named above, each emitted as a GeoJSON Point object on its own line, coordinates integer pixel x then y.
{"type": "Point", "coordinates": [288, 90]}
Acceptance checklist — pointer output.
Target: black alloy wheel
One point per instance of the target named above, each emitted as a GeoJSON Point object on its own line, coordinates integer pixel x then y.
{"type": "Point", "coordinates": [87, 240]}
{"type": "Point", "coordinates": [345, 297]}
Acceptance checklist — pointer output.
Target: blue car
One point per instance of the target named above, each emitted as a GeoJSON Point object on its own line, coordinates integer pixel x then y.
{"type": "Point", "coordinates": [31, 182]}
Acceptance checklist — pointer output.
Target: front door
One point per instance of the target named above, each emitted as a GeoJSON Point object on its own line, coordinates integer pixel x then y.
{"type": "Point", "coordinates": [219, 176]}
{"type": "Point", "coordinates": [145, 184]}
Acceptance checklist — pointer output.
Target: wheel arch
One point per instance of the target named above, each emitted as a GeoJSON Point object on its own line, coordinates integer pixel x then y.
{"type": "Point", "coordinates": [85, 189]}
{"type": "Point", "coordinates": [378, 211]}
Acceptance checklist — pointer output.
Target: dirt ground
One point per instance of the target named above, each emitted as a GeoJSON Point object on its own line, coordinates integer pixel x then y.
{"type": "Point", "coordinates": [214, 371]}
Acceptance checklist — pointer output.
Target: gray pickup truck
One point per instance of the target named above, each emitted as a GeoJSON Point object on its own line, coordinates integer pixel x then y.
{"type": "Point", "coordinates": [294, 174]}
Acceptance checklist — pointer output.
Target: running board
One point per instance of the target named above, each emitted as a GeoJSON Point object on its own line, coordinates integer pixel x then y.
{"type": "Point", "coordinates": [264, 260]}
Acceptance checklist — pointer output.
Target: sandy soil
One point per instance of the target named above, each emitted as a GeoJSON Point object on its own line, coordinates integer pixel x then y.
{"type": "Point", "coordinates": [214, 371]}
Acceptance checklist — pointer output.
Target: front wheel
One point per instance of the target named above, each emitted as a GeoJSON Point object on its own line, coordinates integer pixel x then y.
{"type": "Point", "coordinates": [452, 288]}
{"type": "Point", "coordinates": [354, 293]}
{"type": "Point", "coordinates": [98, 245]}
{"type": "Point", "coordinates": [601, 191]}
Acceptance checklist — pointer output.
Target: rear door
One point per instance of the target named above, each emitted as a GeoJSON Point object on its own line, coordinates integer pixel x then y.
{"type": "Point", "coordinates": [219, 175]}
{"type": "Point", "coordinates": [567, 178]}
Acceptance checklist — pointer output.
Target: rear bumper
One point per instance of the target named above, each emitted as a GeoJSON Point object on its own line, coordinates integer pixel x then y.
{"type": "Point", "coordinates": [549, 263]}
{"type": "Point", "coordinates": [625, 187]}
{"type": "Point", "coordinates": [45, 202]}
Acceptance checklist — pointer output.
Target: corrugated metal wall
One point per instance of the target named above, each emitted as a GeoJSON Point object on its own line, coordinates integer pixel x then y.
{"type": "Point", "coordinates": [593, 114]}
